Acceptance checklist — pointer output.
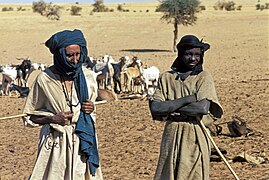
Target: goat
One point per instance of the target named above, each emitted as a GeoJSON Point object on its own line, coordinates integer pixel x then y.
{"type": "Point", "coordinates": [91, 78]}
{"type": "Point", "coordinates": [150, 77]}
{"type": "Point", "coordinates": [22, 70]}
{"type": "Point", "coordinates": [106, 94]}
{"type": "Point", "coordinates": [132, 75]}
{"type": "Point", "coordinates": [107, 58]}
{"type": "Point", "coordinates": [34, 67]}
{"type": "Point", "coordinates": [11, 73]}
{"type": "Point", "coordinates": [135, 61]}
{"type": "Point", "coordinates": [23, 91]}
{"type": "Point", "coordinates": [5, 88]}
{"type": "Point", "coordinates": [105, 78]}
{"type": "Point", "coordinates": [90, 62]}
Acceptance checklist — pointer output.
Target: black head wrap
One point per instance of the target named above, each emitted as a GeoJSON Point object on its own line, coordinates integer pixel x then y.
{"type": "Point", "coordinates": [189, 41]}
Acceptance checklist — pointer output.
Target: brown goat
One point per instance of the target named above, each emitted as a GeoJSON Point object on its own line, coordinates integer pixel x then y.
{"type": "Point", "coordinates": [132, 75]}
{"type": "Point", "coordinates": [106, 94]}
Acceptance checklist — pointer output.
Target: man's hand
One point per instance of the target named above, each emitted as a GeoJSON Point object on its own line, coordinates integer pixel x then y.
{"type": "Point", "coordinates": [87, 107]}
{"type": "Point", "coordinates": [62, 118]}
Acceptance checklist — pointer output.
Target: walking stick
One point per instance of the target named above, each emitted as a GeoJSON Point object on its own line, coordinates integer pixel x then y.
{"type": "Point", "coordinates": [15, 116]}
{"type": "Point", "coordinates": [216, 147]}
{"type": "Point", "coordinates": [22, 115]}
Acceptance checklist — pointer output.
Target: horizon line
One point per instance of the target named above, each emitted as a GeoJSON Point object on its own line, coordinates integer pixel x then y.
{"type": "Point", "coordinates": [73, 1]}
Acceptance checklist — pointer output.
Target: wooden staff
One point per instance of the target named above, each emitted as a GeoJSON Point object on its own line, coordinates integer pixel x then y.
{"type": "Point", "coordinates": [15, 116]}
{"type": "Point", "coordinates": [216, 147]}
{"type": "Point", "coordinates": [22, 115]}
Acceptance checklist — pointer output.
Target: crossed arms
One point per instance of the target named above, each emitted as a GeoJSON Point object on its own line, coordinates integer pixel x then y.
{"type": "Point", "coordinates": [187, 105]}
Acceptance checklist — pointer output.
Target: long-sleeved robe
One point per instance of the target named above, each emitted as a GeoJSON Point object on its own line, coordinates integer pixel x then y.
{"type": "Point", "coordinates": [185, 149]}
{"type": "Point", "coordinates": [58, 149]}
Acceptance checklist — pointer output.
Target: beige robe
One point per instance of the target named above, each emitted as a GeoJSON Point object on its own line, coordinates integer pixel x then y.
{"type": "Point", "coordinates": [58, 149]}
{"type": "Point", "coordinates": [185, 150]}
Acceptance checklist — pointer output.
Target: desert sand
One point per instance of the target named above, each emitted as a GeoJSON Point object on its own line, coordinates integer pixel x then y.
{"type": "Point", "coordinates": [129, 139]}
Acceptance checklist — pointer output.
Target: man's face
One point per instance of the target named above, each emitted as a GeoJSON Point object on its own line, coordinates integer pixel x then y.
{"type": "Point", "coordinates": [191, 57]}
{"type": "Point", "coordinates": [73, 53]}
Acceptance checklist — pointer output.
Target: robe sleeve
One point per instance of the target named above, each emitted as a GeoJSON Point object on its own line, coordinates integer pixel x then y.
{"type": "Point", "coordinates": [35, 104]}
{"type": "Point", "coordinates": [159, 96]}
{"type": "Point", "coordinates": [206, 89]}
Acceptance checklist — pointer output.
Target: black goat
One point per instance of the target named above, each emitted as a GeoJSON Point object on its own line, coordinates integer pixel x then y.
{"type": "Point", "coordinates": [24, 91]}
{"type": "Point", "coordinates": [22, 70]}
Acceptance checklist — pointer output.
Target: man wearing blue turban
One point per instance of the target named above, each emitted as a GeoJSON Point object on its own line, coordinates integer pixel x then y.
{"type": "Point", "coordinates": [68, 144]}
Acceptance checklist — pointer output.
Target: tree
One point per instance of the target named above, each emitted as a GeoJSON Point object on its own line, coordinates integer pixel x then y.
{"type": "Point", "coordinates": [179, 12]}
{"type": "Point", "coordinates": [39, 7]}
{"type": "Point", "coordinates": [75, 10]}
{"type": "Point", "coordinates": [49, 10]}
{"type": "Point", "coordinates": [99, 6]}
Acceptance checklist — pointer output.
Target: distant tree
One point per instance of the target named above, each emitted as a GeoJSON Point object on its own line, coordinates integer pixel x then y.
{"type": "Point", "coordinates": [7, 9]}
{"type": "Point", "coordinates": [21, 8]}
{"type": "Point", "coordinates": [47, 9]}
{"type": "Point", "coordinates": [202, 8]}
{"type": "Point", "coordinates": [239, 7]}
{"type": "Point", "coordinates": [75, 10]}
{"type": "Point", "coordinates": [119, 7]}
{"type": "Point", "coordinates": [39, 7]}
{"type": "Point", "coordinates": [53, 11]}
{"type": "Point", "coordinates": [266, 5]}
{"type": "Point", "coordinates": [99, 6]}
{"type": "Point", "coordinates": [230, 6]}
{"type": "Point", "coordinates": [179, 12]}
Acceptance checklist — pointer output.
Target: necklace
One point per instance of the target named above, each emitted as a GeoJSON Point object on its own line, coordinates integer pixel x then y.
{"type": "Point", "coordinates": [66, 94]}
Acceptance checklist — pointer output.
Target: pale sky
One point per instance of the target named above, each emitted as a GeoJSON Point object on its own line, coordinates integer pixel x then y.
{"type": "Point", "coordinates": [69, 1]}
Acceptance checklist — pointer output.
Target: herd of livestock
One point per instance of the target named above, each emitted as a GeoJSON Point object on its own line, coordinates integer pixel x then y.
{"type": "Point", "coordinates": [128, 75]}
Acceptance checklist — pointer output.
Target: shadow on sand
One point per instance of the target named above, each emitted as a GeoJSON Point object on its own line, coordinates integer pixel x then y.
{"type": "Point", "coordinates": [145, 50]}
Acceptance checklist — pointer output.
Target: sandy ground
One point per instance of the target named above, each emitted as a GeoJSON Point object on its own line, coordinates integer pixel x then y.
{"type": "Point", "coordinates": [128, 139]}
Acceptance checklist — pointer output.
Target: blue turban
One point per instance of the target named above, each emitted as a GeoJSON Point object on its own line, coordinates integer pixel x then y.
{"type": "Point", "coordinates": [85, 126]}
{"type": "Point", "coordinates": [57, 44]}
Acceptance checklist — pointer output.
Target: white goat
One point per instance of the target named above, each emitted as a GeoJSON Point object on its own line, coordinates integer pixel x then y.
{"type": "Point", "coordinates": [108, 58]}
{"type": "Point", "coordinates": [105, 78]}
{"type": "Point", "coordinates": [150, 77]}
{"type": "Point", "coordinates": [9, 75]}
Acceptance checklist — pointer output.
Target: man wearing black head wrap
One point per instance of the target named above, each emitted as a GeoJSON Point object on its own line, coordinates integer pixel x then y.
{"type": "Point", "coordinates": [185, 94]}
{"type": "Point", "coordinates": [62, 100]}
